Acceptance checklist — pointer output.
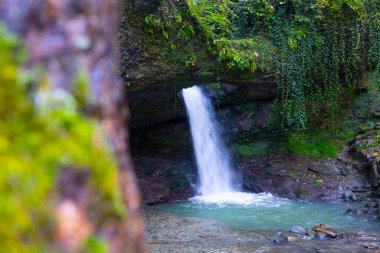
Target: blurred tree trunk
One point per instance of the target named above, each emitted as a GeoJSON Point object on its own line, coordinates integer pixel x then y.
{"type": "Point", "coordinates": [68, 37]}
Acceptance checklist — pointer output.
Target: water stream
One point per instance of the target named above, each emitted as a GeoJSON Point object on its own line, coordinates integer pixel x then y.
{"type": "Point", "coordinates": [217, 180]}
{"type": "Point", "coordinates": [213, 159]}
{"type": "Point", "coordinates": [220, 196]}
{"type": "Point", "coordinates": [272, 213]}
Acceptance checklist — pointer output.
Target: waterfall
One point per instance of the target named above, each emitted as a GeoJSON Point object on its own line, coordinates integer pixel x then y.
{"type": "Point", "coordinates": [217, 180]}
{"type": "Point", "coordinates": [216, 175]}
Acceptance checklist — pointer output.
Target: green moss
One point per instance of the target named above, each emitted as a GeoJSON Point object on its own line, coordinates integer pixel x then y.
{"type": "Point", "coordinates": [176, 184]}
{"type": "Point", "coordinates": [302, 192]}
{"type": "Point", "coordinates": [164, 140]}
{"type": "Point", "coordinates": [37, 140]}
{"type": "Point", "coordinates": [81, 89]}
{"type": "Point", "coordinates": [251, 178]}
{"type": "Point", "coordinates": [317, 49]}
{"type": "Point", "coordinates": [368, 145]}
{"type": "Point", "coordinates": [312, 145]}
{"type": "Point", "coordinates": [247, 150]}
{"type": "Point", "coordinates": [96, 245]}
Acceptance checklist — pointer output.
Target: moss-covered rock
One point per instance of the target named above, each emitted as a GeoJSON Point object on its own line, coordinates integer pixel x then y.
{"type": "Point", "coordinates": [154, 71]}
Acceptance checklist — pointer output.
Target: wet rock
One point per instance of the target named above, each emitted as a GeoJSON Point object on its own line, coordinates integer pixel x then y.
{"type": "Point", "coordinates": [370, 245]}
{"type": "Point", "coordinates": [320, 236]}
{"type": "Point", "coordinates": [353, 197]}
{"type": "Point", "coordinates": [326, 230]}
{"type": "Point", "coordinates": [249, 184]}
{"type": "Point", "coordinates": [346, 194]}
{"type": "Point", "coordinates": [157, 191]}
{"type": "Point", "coordinates": [306, 238]}
{"type": "Point", "coordinates": [345, 156]}
{"type": "Point", "coordinates": [358, 143]}
{"type": "Point", "coordinates": [360, 136]}
{"type": "Point", "coordinates": [371, 204]}
{"type": "Point", "coordinates": [344, 171]}
{"type": "Point", "coordinates": [291, 238]}
{"type": "Point", "coordinates": [310, 233]}
{"type": "Point", "coordinates": [279, 239]}
{"type": "Point", "coordinates": [355, 211]}
{"type": "Point", "coordinates": [366, 237]}
{"type": "Point", "coordinates": [297, 229]}
{"type": "Point", "coordinates": [377, 192]}
{"type": "Point", "coordinates": [347, 236]}
{"type": "Point", "coordinates": [366, 127]}
{"type": "Point", "coordinates": [300, 178]}
{"type": "Point", "coordinates": [360, 190]}
{"type": "Point", "coordinates": [324, 170]}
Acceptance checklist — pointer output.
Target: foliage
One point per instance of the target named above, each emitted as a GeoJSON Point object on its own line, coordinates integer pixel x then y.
{"type": "Point", "coordinates": [164, 140]}
{"type": "Point", "coordinates": [177, 183]}
{"type": "Point", "coordinates": [302, 192]}
{"type": "Point", "coordinates": [213, 20]}
{"type": "Point", "coordinates": [40, 134]}
{"type": "Point", "coordinates": [322, 47]}
{"type": "Point", "coordinates": [247, 150]}
{"type": "Point", "coordinates": [312, 145]}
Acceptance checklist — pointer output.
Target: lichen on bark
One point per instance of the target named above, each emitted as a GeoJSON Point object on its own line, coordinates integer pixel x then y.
{"type": "Point", "coordinates": [64, 143]}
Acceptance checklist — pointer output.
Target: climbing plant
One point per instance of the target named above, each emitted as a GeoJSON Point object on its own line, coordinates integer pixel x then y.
{"type": "Point", "coordinates": [318, 49]}
{"type": "Point", "coordinates": [324, 49]}
{"type": "Point", "coordinates": [213, 19]}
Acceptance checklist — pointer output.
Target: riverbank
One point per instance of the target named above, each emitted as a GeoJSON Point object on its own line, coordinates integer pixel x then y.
{"type": "Point", "coordinates": [170, 233]}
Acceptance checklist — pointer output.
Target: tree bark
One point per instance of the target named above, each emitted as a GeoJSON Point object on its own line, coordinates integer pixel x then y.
{"type": "Point", "coordinates": [65, 37]}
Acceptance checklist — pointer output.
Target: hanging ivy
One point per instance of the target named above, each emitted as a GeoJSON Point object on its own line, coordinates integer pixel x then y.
{"type": "Point", "coordinates": [321, 47]}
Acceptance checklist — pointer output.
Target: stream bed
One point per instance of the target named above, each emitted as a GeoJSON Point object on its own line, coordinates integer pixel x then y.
{"type": "Point", "coordinates": [223, 219]}
{"type": "Point", "coordinates": [265, 212]}
{"type": "Point", "coordinates": [179, 229]}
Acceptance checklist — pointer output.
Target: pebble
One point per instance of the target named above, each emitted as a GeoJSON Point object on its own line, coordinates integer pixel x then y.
{"type": "Point", "coordinates": [291, 238]}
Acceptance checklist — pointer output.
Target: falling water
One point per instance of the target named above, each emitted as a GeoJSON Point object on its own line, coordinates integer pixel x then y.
{"type": "Point", "coordinates": [213, 159]}
{"type": "Point", "coordinates": [218, 182]}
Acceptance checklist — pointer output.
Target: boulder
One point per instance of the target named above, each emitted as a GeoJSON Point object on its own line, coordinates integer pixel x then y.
{"type": "Point", "coordinates": [323, 231]}
{"type": "Point", "coordinates": [154, 189]}
{"type": "Point", "coordinates": [320, 236]}
{"type": "Point", "coordinates": [353, 197]}
{"type": "Point", "coordinates": [346, 194]}
{"type": "Point", "coordinates": [355, 211]}
{"type": "Point", "coordinates": [298, 230]}
{"type": "Point", "coordinates": [291, 238]}
{"type": "Point", "coordinates": [306, 238]}
{"type": "Point", "coordinates": [154, 77]}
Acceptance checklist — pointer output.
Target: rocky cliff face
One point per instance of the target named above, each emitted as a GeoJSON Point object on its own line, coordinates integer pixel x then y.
{"type": "Point", "coordinates": [154, 76]}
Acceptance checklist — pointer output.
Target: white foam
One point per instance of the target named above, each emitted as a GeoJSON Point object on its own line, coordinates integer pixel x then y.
{"type": "Point", "coordinates": [240, 198]}
{"type": "Point", "coordinates": [218, 182]}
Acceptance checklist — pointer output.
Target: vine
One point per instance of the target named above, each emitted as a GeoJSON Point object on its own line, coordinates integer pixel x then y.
{"type": "Point", "coordinates": [325, 46]}
{"type": "Point", "coordinates": [318, 49]}
{"type": "Point", "coordinates": [213, 19]}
